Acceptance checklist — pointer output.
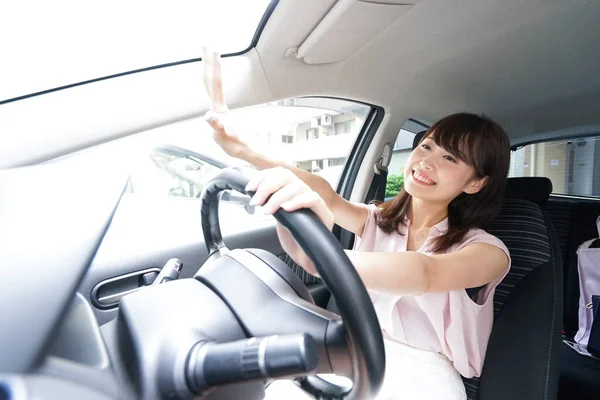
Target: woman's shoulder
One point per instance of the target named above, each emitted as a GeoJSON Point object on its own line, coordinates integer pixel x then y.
{"type": "Point", "coordinates": [373, 211]}
{"type": "Point", "coordinates": [373, 208]}
{"type": "Point", "coordinates": [478, 235]}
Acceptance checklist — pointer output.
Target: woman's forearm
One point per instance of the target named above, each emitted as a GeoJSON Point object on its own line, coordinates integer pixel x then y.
{"type": "Point", "coordinates": [398, 273]}
{"type": "Point", "coordinates": [316, 183]}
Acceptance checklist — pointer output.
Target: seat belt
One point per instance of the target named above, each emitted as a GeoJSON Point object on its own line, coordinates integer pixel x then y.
{"type": "Point", "coordinates": [380, 169]}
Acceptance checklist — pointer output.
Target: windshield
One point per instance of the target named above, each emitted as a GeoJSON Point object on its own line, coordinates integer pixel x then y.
{"type": "Point", "coordinates": [58, 43]}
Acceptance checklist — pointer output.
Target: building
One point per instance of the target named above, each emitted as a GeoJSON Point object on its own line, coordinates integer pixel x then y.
{"type": "Point", "coordinates": [573, 166]}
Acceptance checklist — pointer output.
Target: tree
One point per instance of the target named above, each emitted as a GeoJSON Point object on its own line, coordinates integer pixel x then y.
{"type": "Point", "coordinates": [394, 185]}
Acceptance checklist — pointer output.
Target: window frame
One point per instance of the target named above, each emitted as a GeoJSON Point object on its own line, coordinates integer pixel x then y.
{"type": "Point", "coordinates": [584, 135]}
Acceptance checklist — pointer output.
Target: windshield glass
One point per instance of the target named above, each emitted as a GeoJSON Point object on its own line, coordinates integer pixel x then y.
{"type": "Point", "coordinates": [58, 43]}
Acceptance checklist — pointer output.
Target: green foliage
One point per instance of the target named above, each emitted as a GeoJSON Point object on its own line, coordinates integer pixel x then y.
{"type": "Point", "coordinates": [394, 185]}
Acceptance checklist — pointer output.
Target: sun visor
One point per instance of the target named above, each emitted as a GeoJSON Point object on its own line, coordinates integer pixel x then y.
{"type": "Point", "coordinates": [348, 26]}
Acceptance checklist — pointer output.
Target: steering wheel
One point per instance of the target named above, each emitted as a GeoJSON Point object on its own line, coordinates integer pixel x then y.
{"type": "Point", "coordinates": [359, 330]}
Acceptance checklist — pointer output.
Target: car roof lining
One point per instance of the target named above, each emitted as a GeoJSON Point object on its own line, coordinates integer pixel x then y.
{"type": "Point", "coordinates": [531, 65]}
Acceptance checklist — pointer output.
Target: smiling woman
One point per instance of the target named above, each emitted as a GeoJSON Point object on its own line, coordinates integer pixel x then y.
{"type": "Point", "coordinates": [76, 41]}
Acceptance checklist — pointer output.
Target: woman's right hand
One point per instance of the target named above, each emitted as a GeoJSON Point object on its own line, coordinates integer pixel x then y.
{"type": "Point", "coordinates": [217, 116]}
{"type": "Point", "coordinates": [279, 188]}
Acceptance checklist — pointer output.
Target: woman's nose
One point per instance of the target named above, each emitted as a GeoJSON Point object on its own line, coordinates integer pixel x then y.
{"type": "Point", "coordinates": [427, 163]}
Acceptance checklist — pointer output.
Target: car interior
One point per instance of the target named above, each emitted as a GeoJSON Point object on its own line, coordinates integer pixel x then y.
{"type": "Point", "coordinates": [110, 293]}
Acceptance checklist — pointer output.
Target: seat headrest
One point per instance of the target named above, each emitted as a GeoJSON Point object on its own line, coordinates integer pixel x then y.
{"type": "Point", "coordinates": [418, 138]}
{"type": "Point", "coordinates": [535, 189]}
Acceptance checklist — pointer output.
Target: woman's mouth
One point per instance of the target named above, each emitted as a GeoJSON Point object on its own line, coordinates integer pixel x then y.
{"type": "Point", "coordinates": [422, 178]}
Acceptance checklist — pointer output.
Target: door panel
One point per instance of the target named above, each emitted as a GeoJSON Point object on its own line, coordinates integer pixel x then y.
{"type": "Point", "coordinates": [147, 231]}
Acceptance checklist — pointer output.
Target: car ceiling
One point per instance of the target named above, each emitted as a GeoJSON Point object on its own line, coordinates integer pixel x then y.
{"type": "Point", "coordinates": [532, 65]}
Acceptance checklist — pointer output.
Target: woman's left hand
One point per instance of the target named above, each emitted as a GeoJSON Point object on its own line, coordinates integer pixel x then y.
{"type": "Point", "coordinates": [290, 193]}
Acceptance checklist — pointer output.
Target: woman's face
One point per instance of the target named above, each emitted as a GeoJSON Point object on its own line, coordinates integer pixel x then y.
{"type": "Point", "coordinates": [435, 175]}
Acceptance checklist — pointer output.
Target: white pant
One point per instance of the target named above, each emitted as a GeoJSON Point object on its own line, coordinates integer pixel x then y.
{"type": "Point", "coordinates": [410, 374]}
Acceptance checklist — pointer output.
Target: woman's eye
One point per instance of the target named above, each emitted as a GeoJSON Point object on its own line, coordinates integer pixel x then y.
{"type": "Point", "coordinates": [426, 147]}
{"type": "Point", "coordinates": [450, 158]}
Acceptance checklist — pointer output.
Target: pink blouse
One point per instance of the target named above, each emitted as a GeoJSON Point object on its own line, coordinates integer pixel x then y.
{"type": "Point", "coordinates": [450, 323]}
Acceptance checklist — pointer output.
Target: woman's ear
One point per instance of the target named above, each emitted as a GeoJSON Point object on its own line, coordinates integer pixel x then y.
{"type": "Point", "coordinates": [475, 185]}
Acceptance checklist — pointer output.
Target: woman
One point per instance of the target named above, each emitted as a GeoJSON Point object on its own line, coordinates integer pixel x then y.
{"type": "Point", "coordinates": [416, 254]}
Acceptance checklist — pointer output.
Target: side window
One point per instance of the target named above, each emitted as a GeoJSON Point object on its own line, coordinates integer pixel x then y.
{"type": "Point", "coordinates": [400, 152]}
{"type": "Point", "coordinates": [573, 165]}
{"type": "Point", "coordinates": [314, 134]}
{"type": "Point", "coordinates": [175, 171]}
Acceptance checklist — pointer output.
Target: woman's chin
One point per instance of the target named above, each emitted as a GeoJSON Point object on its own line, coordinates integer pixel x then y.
{"type": "Point", "coordinates": [416, 189]}
{"type": "Point", "coordinates": [420, 192]}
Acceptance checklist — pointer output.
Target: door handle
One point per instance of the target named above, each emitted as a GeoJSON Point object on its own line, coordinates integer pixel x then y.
{"type": "Point", "coordinates": [109, 292]}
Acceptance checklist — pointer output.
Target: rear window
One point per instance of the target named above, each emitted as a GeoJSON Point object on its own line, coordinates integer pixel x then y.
{"type": "Point", "coordinates": [572, 165]}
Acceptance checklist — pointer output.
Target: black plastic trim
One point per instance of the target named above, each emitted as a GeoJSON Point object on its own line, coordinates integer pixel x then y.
{"type": "Point", "coordinates": [559, 196]}
{"type": "Point", "coordinates": [94, 293]}
{"type": "Point", "coordinates": [359, 150]}
{"type": "Point", "coordinates": [416, 121]}
{"type": "Point", "coordinates": [584, 135]}
{"type": "Point", "coordinates": [350, 172]}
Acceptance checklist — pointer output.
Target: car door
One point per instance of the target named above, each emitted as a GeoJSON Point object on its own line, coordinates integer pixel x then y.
{"type": "Point", "coordinates": [158, 217]}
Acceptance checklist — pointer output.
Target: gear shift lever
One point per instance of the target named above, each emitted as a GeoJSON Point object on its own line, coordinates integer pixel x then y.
{"type": "Point", "coordinates": [169, 272]}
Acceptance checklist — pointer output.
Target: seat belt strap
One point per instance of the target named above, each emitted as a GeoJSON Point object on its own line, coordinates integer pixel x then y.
{"type": "Point", "coordinates": [380, 169]}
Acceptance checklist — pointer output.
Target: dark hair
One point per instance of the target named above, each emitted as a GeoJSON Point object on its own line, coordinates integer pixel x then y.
{"type": "Point", "coordinates": [480, 142]}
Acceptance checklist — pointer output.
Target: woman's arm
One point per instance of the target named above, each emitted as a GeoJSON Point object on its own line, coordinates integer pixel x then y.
{"type": "Point", "coordinates": [413, 273]}
{"type": "Point", "coordinates": [349, 216]}
{"type": "Point", "coordinates": [285, 190]}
